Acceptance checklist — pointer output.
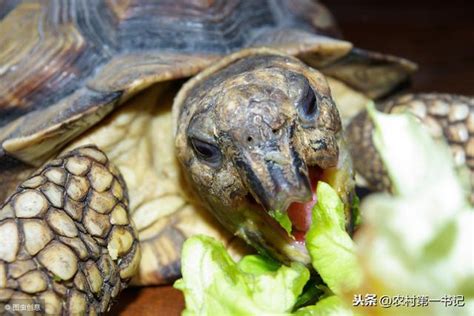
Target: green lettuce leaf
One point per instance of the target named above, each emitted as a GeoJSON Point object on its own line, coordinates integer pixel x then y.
{"type": "Point", "coordinates": [331, 305]}
{"type": "Point", "coordinates": [213, 284]}
{"type": "Point", "coordinates": [258, 265]}
{"type": "Point", "coordinates": [422, 234]}
{"type": "Point", "coordinates": [283, 219]}
{"type": "Point", "coordinates": [331, 248]}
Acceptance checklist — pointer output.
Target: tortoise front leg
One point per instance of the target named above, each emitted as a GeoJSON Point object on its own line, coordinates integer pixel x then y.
{"type": "Point", "coordinates": [445, 115]}
{"type": "Point", "coordinates": [66, 242]}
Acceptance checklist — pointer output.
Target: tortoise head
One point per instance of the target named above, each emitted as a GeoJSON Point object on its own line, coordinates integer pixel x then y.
{"type": "Point", "coordinates": [254, 133]}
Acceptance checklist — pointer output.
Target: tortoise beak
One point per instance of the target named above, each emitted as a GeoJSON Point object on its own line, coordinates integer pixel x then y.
{"type": "Point", "coordinates": [275, 175]}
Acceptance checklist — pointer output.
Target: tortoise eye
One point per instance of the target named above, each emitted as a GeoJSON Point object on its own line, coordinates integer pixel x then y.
{"type": "Point", "coordinates": [205, 151]}
{"type": "Point", "coordinates": [307, 104]}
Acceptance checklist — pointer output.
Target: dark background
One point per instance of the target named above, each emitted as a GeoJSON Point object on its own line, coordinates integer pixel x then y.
{"type": "Point", "coordinates": [438, 35]}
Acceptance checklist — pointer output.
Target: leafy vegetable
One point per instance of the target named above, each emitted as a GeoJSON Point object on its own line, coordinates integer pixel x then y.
{"type": "Point", "coordinates": [283, 219]}
{"type": "Point", "coordinates": [258, 265]}
{"type": "Point", "coordinates": [213, 284]}
{"type": "Point", "coordinates": [331, 305]}
{"type": "Point", "coordinates": [331, 249]}
{"type": "Point", "coordinates": [421, 235]}
{"type": "Point", "coordinates": [312, 292]}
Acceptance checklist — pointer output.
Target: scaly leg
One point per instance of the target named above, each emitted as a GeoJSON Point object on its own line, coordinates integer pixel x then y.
{"type": "Point", "coordinates": [66, 242]}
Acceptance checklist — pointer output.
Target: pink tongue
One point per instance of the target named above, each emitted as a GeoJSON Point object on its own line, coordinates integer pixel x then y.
{"type": "Point", "coordinates": [300, 216]}
{"type": "Point", "coordinates": [300, 213]}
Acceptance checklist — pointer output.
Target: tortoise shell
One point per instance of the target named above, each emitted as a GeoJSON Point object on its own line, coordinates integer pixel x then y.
{"type": "Point", "coordinates": [66, 65]}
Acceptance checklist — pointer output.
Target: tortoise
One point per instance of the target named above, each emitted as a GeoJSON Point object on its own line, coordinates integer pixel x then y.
{"type": "Point", "coordinates": [104, 178]}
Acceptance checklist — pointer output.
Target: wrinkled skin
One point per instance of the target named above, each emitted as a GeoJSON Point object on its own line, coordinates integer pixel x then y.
{"type": "Point", "coordinates": [249, 132]}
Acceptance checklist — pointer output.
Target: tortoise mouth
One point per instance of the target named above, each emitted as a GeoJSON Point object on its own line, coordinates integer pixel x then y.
{"type": "Point", "coordinates": [298, 213]}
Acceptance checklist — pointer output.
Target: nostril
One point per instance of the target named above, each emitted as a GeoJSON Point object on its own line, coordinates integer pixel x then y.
{"type": "Point", "coordinates": [274, 131]}
{"type": "Point", "coordinates": [249, 139]}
